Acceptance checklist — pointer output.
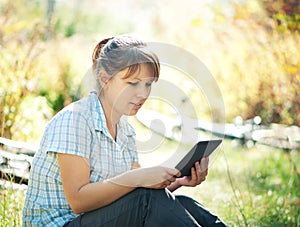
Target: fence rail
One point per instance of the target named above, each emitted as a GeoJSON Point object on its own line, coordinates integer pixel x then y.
{"type": "Point", "coordinates": [15, 160]}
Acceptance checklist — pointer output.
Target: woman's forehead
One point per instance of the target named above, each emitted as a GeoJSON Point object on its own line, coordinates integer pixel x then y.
{"type": "Point", "coordinates": [144, 72]}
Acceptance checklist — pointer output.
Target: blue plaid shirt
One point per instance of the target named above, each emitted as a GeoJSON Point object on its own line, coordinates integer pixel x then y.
{"type": "Point", "coordinates": [79, 129]}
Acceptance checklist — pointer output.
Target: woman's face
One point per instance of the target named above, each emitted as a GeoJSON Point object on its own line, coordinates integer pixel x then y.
{"type": "Point", "coordinates": [125, 96]}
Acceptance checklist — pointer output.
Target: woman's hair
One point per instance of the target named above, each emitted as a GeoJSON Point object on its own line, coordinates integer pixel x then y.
{"type": "Point", "coordinates": [117, 53]}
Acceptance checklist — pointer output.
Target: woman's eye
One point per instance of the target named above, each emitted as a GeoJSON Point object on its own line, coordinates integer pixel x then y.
{"type": "Point", "coordinates": [133, 83]}
{"type": "Point", "coordinates": [148, 84]}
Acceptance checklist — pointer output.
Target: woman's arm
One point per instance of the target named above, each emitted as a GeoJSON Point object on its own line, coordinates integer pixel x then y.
{"type": "Point", "coordinates": [83, 196]}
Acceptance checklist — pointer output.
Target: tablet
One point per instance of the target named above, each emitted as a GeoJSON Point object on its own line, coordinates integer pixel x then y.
{"type": "Point", "coordinates": [201, 149]}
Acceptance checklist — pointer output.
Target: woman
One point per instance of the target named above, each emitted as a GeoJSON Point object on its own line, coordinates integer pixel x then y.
{"type": "Point", "coordinates": [86, 171]}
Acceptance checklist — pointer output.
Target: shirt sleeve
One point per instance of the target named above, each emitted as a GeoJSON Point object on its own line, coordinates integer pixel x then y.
{"type": "Point", "coordinates": [68, 133]}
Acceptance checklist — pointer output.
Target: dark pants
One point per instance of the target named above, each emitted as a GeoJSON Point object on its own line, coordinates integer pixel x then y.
{"type": "Point", "coordinates": [151, 208]}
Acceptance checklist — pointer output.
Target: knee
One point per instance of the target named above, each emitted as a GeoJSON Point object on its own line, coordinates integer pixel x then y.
{"type": "Point", "coordinates": [185, 198]}
{"type": "Point", "coordinates": [140, 192]}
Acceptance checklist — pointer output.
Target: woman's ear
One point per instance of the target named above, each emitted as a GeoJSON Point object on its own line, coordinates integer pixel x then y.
{"type": "Point", "coordinates": [103, 78]}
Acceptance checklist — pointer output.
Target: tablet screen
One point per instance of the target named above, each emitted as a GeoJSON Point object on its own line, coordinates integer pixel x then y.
{"type": "Point", "coordinates": [201, 149]}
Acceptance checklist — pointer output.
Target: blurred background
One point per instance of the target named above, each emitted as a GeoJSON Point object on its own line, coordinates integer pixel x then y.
{"type": "Point", "coordinates": [250, 47]}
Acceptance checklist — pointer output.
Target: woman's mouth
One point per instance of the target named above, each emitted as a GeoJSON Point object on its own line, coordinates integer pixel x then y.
{"type": "Point", "coordinates": [137, 105]}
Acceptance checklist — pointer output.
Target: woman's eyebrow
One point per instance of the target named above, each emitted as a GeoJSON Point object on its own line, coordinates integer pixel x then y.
{"type": "Point", "coordinates": [148, 80]}
{"type": "Point", "coordinates": [129, 79]}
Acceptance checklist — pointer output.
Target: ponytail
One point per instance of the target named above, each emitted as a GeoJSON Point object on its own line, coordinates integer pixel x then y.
{"type": "Point", "coordinates": [97, 50]}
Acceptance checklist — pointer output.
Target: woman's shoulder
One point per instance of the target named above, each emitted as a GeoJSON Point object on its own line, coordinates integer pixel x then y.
{"type": "Point", "coordinates": [75, 111]}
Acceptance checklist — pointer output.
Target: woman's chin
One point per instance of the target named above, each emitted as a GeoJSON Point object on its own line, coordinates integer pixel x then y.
{"type": "Point", "coordinates": [132, 112]}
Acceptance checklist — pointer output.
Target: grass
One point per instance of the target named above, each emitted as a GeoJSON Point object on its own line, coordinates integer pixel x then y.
{"type": "Point", "coordinates": [245, 187]}
{"type": "Point", "coordinates": [11, 203]}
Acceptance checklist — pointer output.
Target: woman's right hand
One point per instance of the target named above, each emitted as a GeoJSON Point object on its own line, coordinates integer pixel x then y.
{"type": "Point", "coordinates": [156, 177]}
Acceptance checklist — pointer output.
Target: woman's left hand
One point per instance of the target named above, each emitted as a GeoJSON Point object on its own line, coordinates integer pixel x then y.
{"type": "Point", "coordinates": [198, 174]}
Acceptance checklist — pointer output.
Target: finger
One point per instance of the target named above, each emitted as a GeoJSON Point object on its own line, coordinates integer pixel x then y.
{"type": "Point", "coordinates": [169, 182]}
{"type": "Point", "coordinates": [172, 179]}
{"type": "Point", "coordinates": [203, 165]}
{"type": "Point", "coordinates": [197, 166]}
{"type": "Point", "coordinates": [199, 173]}
{"type": "Point", "coordinates": [166, 183]}
{"type": "Point", "coordinates": [202, 178]}
{"type": "Point", "coordinates": [194, 175]}
{"type": "Point", "coordinates": [178, 174]}
{"type": "Point", "coordinates": [203, 175]}
{"type": "Point", "coordinates": [207, 160]}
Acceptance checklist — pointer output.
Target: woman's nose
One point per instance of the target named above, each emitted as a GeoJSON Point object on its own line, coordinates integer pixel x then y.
{"type": "Point", "coordinates": [143, 92]}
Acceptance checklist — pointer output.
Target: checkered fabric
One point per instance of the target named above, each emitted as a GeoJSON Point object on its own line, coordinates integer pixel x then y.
{"type": "Point", "coordinates": [79, 129]}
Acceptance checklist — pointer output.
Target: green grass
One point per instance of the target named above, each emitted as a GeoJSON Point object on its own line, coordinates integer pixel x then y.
{"type": "Point", "coordinates": [245, 187]}
{"type": "Point", "coordinates": [11, 203]}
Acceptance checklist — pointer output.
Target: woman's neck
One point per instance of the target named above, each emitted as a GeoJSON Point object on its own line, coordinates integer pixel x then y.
{"type": "Point", "coordinates": [112, 118]}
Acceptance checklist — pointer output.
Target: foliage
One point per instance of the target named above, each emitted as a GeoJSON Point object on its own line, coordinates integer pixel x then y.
{"type": "Point", "coordinates": [257, 65]}
{"type": "Point", "coordinates": [11, 204]}
{"type": "Point", "coordinates": [279, 179]}
{"type": "Point", "coordinates": [58, 84]}
{"type": "Point", "coordinates": [248, 47]}
{"type": "Point", "coordinates": [277, 65]}
{"type": "Point", "coordinates": [255, 61]}
{"type": "Point", "coordinates": [20, 49]}
{"type": "Point", "coordinates": [25, 73]}
{"type": "Point", "coordinates": [286, 13]}
{"type": "Point", "coordinates": [269, 72]}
